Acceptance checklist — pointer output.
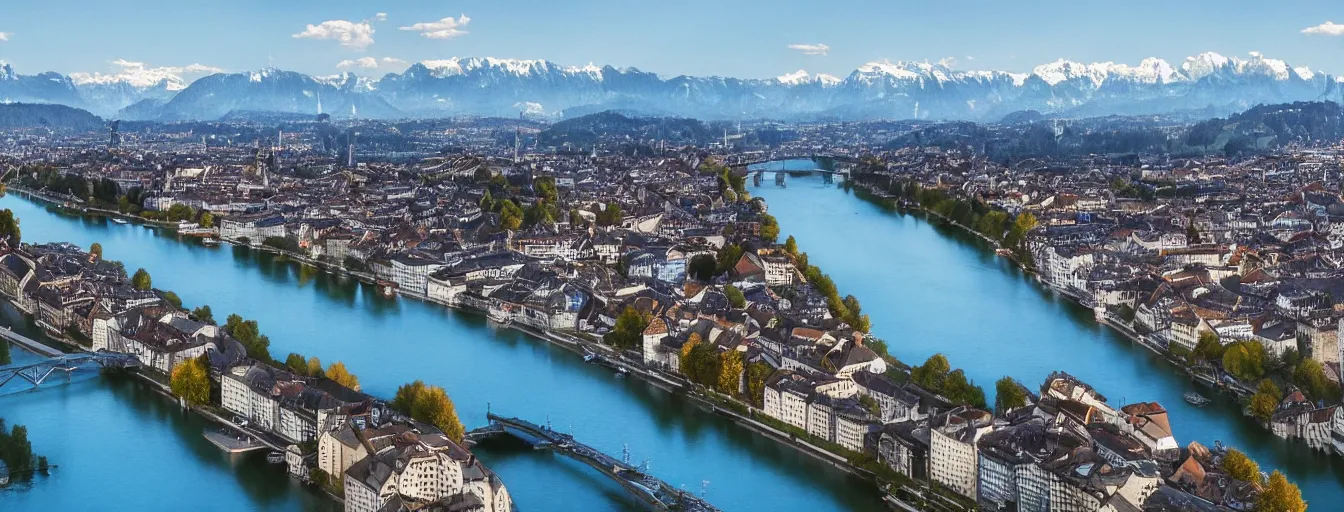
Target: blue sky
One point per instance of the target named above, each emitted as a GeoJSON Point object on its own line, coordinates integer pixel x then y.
{"type": "Point", "coordinates": [744, 38]}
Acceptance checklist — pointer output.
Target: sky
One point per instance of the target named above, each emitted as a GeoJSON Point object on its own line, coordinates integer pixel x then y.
{"type": "Point", "coordinates": [740, 38]}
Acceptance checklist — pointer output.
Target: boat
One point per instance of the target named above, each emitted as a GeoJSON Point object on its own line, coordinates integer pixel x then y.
{"type": "Point", "coordinates": [1196, 399]}
{"type": "Point", "coordinates": [275, 458]}
{"type": "Point", "coordinates": [211, 241]}
{"type": "Point", "coordinates": [589, 356]}
{"type": "Point", "coordinates": [119, 220]}
{"type": "Point", "coordinates": [621, 373]}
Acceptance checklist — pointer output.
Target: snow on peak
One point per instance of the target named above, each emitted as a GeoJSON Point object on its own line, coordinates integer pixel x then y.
{"type": "Point", "coordinates": [141, 76]}
{"type": "Point", "coordinates": [518, 67]}
{"type": "Point", "coordinates": [1304, 72]}
{"type": "Point", "coordinates": [801, 77]}
{"type": "Point", "coordinates": [1202, 65]}
{"type": "Point", "coordinates": [1064, 70]}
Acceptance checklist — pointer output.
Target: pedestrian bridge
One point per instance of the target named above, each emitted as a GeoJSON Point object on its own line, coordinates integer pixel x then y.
{"type": "Point", "coordinates": [38, 372]}
{"type": "Point", "coordinates": [657, 494]}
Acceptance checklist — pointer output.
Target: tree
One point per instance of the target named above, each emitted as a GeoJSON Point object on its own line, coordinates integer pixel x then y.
{"type": "Point", "coordinates": [684, 359]}
{"type": "Point", "coordinates": [1280, 495]}
{"type": "Point", "coordinates": [757, 373]}
{"type": "Point", "coordinates": [1239, 466]}
{"type": "Point", "coordinates": [96, 250]}
{"type": "Point", "coordinates": [1245, 360]}
{"type": "Point", "coordinates": [429, 404]}
{"type": "Point", "coordinates": [1265, 400]}
{"type": "Point", "coordinates": [295, 363]}
{"type": "Point", "coordinates": [1191, 233]}
{"type": "Point", "coordinates": [191, 381]}
{"type": "Point", "coordinates": [769, 228]}
{"type": "Point", "coordinates": [141, 280]}
{"type": "Point", "coordinates": [9, 228]}
{"type": "Point", "coordinates": [852, 305]}
{"type": "Point", "coordinates": [931, 375]}
{"type": "Point", "coordinates": [702, 267]}
{"type": "Point", "coordinates": [629, 329]}
{"type": "Point", "coordinates": [791, 246]}
{"type": "Point", "coordinates": [962, 390]}
{"type": "Point", "coordinates": [342, 376]}
{"type": "Point", "coordinates": [1310, 376]}
{"type": "Point", "coordinates": [728, 257]}
{"type": "Point", "coordinates": [1208, 348]}
{"type": "Point", "coordinates": [4, 354]}
{"type": "Point", "coordinates": [203, 314]}
{"type": "Point", "coordinates": [249, 334]}
{"type": "Point", "coordinates": [735, 296]}
{"type": "Point", "coordinates": [575, 219]}
{"type": "Point", "coordinates": [207, 220]}
{"type": "Point", "coordinates": [1008, 395]}
{"type": "Point", "coordinates": [172, 299]}
{"type": "Point", "coordinates": [611, 215]}
{"type": "Point", "coordinates": [730, 372]}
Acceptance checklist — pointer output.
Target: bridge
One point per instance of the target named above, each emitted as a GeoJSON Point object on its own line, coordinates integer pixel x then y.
{"type": "Point", "coordinates": [657, 494]}
{"type": "Point", "coordinates": [65, 364]}
{"type": "Point", "coordinates": [747, 160]}
{"type": "Point", "coordinates": [28, 343]}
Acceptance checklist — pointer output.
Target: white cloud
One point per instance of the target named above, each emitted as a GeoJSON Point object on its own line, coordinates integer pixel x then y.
{"type": "Point", "coordinates": [363, 62]}
{"type": "Point", "coordinates": [350, 34]}
{"type": "Point", "coordinates": [4, 36]}
{"type": "Point", "coordinates": [811, 49]}
{"type": "Point", "coordinates": [446, 28]}
{"type": "Point", "coordinates": [382, 16]}
{"type": "Point", "coordinates": [371, 63]}
{"type": "Point", "coordinates": [1328, 28]}
{"type": "Point", "coordinates": [139, 74]}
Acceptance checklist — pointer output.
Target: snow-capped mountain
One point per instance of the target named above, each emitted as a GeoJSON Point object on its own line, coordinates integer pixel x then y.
{"type": "Point", "coordinates": [503, 87]}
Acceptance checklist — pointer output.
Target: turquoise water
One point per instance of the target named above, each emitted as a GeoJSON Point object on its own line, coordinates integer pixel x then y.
{"type": "Point", "coordinates": [933, 289]}
{"type": "Point", "coordinates": [387, 342]}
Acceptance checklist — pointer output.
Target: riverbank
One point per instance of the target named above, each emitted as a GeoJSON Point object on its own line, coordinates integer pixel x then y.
{"type": "Point", "coordinates": [1238, 389]}
{"type": "Point", "coordinates": [673, 384]}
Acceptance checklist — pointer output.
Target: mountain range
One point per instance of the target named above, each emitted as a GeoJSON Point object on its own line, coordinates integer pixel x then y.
{"type": "Point", "coordinates": [1208, 83]}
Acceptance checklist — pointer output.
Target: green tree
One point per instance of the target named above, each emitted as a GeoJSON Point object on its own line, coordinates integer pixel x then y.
{"type": "Point", "coordinates": [296, 364]}
{"type": "Point", "coordinates": [1239, 466]}
{"type": "Point", "coordinates": [769, 228]}
{"type": "Point", "coordinates": [1265, 400]}
{"type": "Point", "coordinates": [1280, 495]}
{"type": "Point", "coordinates": [728, 257]}
{"type": "Point", "coordinates": [735, 296]}
{"type": "Point", "coordinates": [1245, 360]}
{"type": "Point", "coordinates": [962, 390]}
{"type": "Point", "coordinates": [757, 373]}
{"type": "Point", "coordinates": [791, 246]}
{"type": "Point", "coordinates": [702, 267]}
{"type": "Point", "coordinates": [191, 381]}
{"type": "Point", "coordinates": [207, 220]}
{"type": "Point", "coordinates": [173, 299]}
{"type": "Point", "coordinates": [629, 329]}
{"type": "Point", "coordinates": [9, 228]}
{"type": "Point", "coordinates": [611, 215]}
{"type": "Point", "coordinates": [1008, 395]}
{"type": "Point", "coordinates": [203, 314]}
{"type": "Point", "coordinates": [96, 250]}
{"type": "Point", "coordinates": [337, 372]}
{"type": "Point", "coordinates": [315, 367]}
{"type": "Point", "coordinates": [730, 372]}
{"type": "Point", "coordinates": [429, 404]}
{"type": "Point", "coordinates": [141, 280]}
{"type": "Point", "coordinates": [1208, 348]}
{"type": "Point", "coordinates": [931, 375]}
{"type": "Point", "coordinates": [1310, 376]}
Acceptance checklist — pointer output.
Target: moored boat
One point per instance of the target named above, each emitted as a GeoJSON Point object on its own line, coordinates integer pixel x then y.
{"type": "Point", "coordinates": [1196, 399]}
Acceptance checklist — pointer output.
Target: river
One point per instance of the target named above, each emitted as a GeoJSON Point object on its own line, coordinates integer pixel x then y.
{"type": "Point", "coordinates": [931, 288]}
{"type": "Point", "coordinates": [387, 342]}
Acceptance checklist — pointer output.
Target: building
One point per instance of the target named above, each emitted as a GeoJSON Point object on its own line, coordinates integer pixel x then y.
{"type": "Point", "coordinates": [953, 456]}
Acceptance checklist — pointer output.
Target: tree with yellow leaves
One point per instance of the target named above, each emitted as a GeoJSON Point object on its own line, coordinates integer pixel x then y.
{"type": "Point", "coordinates": [342, 376]}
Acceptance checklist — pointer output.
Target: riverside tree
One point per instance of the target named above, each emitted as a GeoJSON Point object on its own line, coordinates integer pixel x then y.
{"type": "Point", "coordinates": [1239, 466]}
{"type": "Point", "coordinates": [338, 373]}
{"type": "Point", "coordinates": [1280, 495]}
{"type": "Point", "coordinates": [191, 381]}
{"type": "Point", "coordinates": [9, 227]}
{"type": "Point", "coordinates": [1265, 400]}
{"type": "Point", "coordinates": [629, 329]}
{"type": "Point", "coordinates": [96, 250]}
{"type": "Point", "coordinates": [730, 372]}
{"type": "Point", "coordinates": [1008, 395]}
{"type": "Point", "coordinates": [141, 280]}
{"type": "Point", "coordinates": [429, 404]}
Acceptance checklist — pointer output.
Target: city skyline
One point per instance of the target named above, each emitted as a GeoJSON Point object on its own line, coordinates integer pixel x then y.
{"type": "Point", "coordinates": [744, 40]}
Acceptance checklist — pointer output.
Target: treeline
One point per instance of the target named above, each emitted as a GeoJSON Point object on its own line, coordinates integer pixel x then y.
{"type": "Point", "coordinates": [106, 194]}
{"type": "Point", "coordinates": [972, 214]}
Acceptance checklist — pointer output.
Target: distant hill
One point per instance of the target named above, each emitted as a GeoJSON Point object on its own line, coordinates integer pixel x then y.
{"type": "Point", "coordinates": [586, 130]}
{"type": "Point", "coordinates": [17, 116]}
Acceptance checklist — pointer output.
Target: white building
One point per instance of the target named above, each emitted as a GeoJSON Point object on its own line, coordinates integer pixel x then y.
{"type": "Point", "coordinates": [953, 457]}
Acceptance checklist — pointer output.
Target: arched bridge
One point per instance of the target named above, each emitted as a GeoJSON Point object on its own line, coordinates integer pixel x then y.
{"type": "Point", "coordinates": [658, 494]}
{"type": "Point", "coordinates": [37, 372]}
